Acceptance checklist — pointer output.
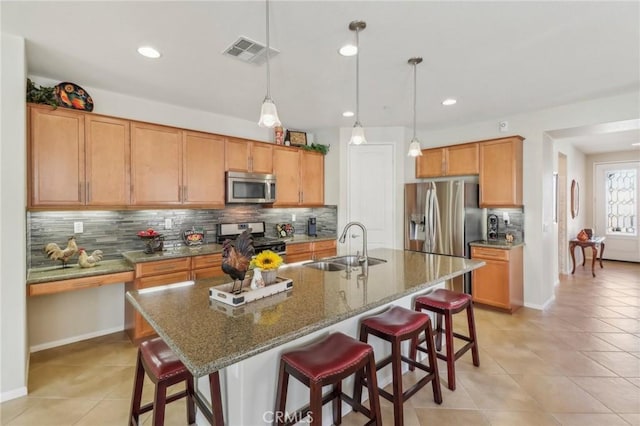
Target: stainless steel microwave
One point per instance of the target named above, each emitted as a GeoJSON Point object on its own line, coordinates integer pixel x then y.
{"type": "Point", "coordinates": [255, 188]}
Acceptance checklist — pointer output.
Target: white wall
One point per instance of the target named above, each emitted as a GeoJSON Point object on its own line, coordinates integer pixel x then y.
{"type": "Point", "coordinates": [576, 170]}
{"type": "Point", "coordinates": [13, 337]}
{"type": "Point", "coordinates": [538, 169]}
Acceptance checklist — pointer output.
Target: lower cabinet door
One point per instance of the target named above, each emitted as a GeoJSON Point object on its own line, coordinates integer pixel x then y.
{"type": "Point", "coordinates": [491, 284]}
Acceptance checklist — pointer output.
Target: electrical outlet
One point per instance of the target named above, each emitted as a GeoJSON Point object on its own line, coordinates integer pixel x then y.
{"type": "Point", "coordinates": [293, 217]}
{"type": "Point", "coordinates": [78, 227]}
{"type": "Point", "coordinates": [167, 223]}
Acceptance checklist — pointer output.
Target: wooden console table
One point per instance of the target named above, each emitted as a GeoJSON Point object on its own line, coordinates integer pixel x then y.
{"type": "Point", "coordinates": [593, 243]}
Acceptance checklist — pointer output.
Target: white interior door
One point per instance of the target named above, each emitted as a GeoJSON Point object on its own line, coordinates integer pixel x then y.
{"type": "Point", "coordinates": [616, 209]}
{"type": "Point", "coordinates": [371, 195]}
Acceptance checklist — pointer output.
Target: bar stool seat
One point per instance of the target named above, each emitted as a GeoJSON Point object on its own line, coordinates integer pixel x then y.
{"type": "Point", "coordinates": [446, 303]}
{"type": "Point", "coordinates": [396, 325]}
{"type": "Point", "coordinates": [164, 369]}
{"type": "Point", "coordinates": [321, 363]}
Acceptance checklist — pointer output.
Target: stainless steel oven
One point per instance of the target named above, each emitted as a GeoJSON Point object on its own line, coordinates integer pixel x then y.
{"type": "Point", "coordinates": [254, 188]}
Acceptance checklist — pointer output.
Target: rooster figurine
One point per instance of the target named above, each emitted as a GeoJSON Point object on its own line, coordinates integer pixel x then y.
{"type": "Point", "coordinates": [54, 252]}
{"type": "Point", "coordinates": [236, 257]}
{"type": "Point", "coordinates": [86, 261]}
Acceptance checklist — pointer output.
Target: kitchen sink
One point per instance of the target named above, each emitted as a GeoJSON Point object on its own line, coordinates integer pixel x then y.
{"type": "Point", "coordinates": [352, 260]}
{"type": "Point", "coordinates": [325, 266]}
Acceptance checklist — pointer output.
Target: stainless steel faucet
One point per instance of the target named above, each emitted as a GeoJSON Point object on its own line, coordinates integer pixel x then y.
{"type": "Point", "coordinates": [343, 237]}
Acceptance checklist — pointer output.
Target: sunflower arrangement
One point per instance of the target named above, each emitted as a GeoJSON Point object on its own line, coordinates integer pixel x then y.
{"type": "Point", "coordinates": [266, 260]}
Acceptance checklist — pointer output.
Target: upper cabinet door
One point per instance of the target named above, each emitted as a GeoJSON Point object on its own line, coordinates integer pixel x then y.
{"type": "Point", "coordinates": [243, 155]}
{"type": "Point", "coordinates": [286, 167]}
{"type": "Point", "coordinates": [107, 161]}
{"type": "Point", "coordinates": [312, 178]}
{"type": "Point", "coordinates": [501, 172]}
{"type": "Point", "coordinates": [203, 169]}
{"type": "Point", "coordinates": [431, 163]}
{"type": "Point", "coordinates": [462, 160]}
{"type": "Point", "coordinates": [237, 155]}
{"type": "Point", "coordinates": [57, 157]}
{"type": "Point", "coordinates": [156, 165]}
{"type": "Point", "coordinates": [261, 158]}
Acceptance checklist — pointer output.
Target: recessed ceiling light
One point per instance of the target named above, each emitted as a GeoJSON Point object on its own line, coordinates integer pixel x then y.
{"type": "Point", "coordinates": [347, 114]}
{"type": "Point", "coordinates": [449, 102]}
{"type": "Point", "coordinates": [148, 52]}
{"type": "Point", "coordinates": [635, 144]}
{"type": "Point", "coordinates": [348, 50]}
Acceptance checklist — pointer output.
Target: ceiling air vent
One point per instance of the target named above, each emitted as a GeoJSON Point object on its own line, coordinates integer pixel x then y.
{"type": "Point", "coordinates": [248, 50]}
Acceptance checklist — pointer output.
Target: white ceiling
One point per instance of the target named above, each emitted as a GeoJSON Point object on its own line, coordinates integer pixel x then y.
{"type": "Point", "coordinates": [496, 58]}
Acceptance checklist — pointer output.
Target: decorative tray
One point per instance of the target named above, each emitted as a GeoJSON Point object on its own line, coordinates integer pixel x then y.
{"type": "Point", "coordinates": [222, 293]}
{"type": "Point", "coordinates": [255, 308]}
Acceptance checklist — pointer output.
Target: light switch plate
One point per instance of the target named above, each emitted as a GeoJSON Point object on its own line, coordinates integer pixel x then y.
{"type": "Point", "coordinates": [78, 227]}
{"type": "Point", "coordinates": [168, 223]}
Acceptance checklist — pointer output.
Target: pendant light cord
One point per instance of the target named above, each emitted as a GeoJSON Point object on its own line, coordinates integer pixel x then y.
{"type": "Point", "coordinates": [415, 89]}
{"type": "Point", "coordinates": [357, 76]}
{"type": "Point", "coordinates": [268, 68]}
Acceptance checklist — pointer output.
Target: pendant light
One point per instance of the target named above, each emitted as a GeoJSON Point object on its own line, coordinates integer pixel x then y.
{"type": "Point", "coordinates": [357, 134]}
{"type": "Point", "coordinates": [268, 112]}
{"type": "Point", "coordinates": [414, 146]}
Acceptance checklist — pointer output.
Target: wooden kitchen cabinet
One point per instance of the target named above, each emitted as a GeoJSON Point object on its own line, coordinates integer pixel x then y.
{"type": "Point", "coordinates": [298, 252]}
{"type": "Point", "coordinates": [243, 155]}
{"type": "Point", "coordinates": [206, 266]}
{"type": "Point", "coordinates": [77, 159]}
{"type": "Point", "coordinates": [172, 167]}
{"type": "Point", "coordinates": [152, 274]}
{"type": "Point", "coordinates": [300, 177]}
{"type": "Point", "coordinates": [203, 170]}
{"type": "Point", "coordinates": [56, 154]}
{"type": "Point", "coordinates": [108, 161]}
{"type": "Point", "coordinates": [501, 172]}
{"type": "Point", "coordinates": [500, 282]}
{"type": "Point", "coordinates": [156, 165]}
{"type": "Point", "coordinates": [455, 160]}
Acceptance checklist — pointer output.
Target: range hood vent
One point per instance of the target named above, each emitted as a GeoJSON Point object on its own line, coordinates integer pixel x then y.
{"type": "Point", "coordinates": [248, 50]}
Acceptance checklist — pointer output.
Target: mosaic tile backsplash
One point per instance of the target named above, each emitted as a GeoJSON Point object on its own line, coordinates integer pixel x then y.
{"type": "Point", "coordinates": [515, 225]}
{"type": "Point", "coordinates": [114, 232]}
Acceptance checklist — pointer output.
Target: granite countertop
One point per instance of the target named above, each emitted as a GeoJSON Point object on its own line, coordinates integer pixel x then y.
{"type": "Point", "coordinates": [208, 335]}
{"type": "Point", "coordinates": [139, 256]}
{"type": "Point", "coordinates": [57, 273]}
{"type": "Point", "coordinates": [501, 244]}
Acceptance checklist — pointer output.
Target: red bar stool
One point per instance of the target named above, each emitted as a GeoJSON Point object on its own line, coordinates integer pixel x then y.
{"type": "Point", "coordinates": [447, 303]}
{"type": "Point", "coordinates": [164, 369]}
{"type": "Point", "coordinates": [396, 325]}
{"type": "Point", "coordinates": [322, 363]}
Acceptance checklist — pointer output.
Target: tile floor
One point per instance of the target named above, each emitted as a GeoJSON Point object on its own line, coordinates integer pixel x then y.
{"type": "Point", "coordinates": [576, 363]}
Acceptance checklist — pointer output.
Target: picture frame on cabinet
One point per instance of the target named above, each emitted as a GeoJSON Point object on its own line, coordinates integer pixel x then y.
{"type": "Point", "coordinates": [296, 138]}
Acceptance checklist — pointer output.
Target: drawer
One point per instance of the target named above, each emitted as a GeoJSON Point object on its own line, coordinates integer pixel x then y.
{"type": "Point", "coordinates": [324, 253]}
{"type": "Point", "coordinates": [324, 245]}
{"type": "Point", "coordinates": [163, 267]}
{"type": "Point", "coordinates": [489, 253]}
{"type": "Point", "coordinates": [157, 280]}
{"type": "Point", "coordinates": [299, 248]}
{"type": "Point", "coordinates": [207, 261]}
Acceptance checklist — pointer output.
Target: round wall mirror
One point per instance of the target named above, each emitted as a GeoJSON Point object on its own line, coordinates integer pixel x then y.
{"type": "Point", "coordinates": [575, 198]}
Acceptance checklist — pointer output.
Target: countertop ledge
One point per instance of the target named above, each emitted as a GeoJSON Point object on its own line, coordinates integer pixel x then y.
{"type": "Point", "coordinates": [501, 244]}
{"type": "Point", "coordinates": [131, 258]}
{"type": "Point", "coordinates": [57, 273]}
{"type": "Point", "coordinates": [139, 256]}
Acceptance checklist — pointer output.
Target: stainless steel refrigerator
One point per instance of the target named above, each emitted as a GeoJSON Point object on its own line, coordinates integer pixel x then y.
{"type": "Point", "coordinates": [442, 217]}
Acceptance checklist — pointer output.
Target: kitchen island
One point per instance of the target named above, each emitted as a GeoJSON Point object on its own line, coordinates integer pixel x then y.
{"type": "Point", "coordinates": [246, 341]}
